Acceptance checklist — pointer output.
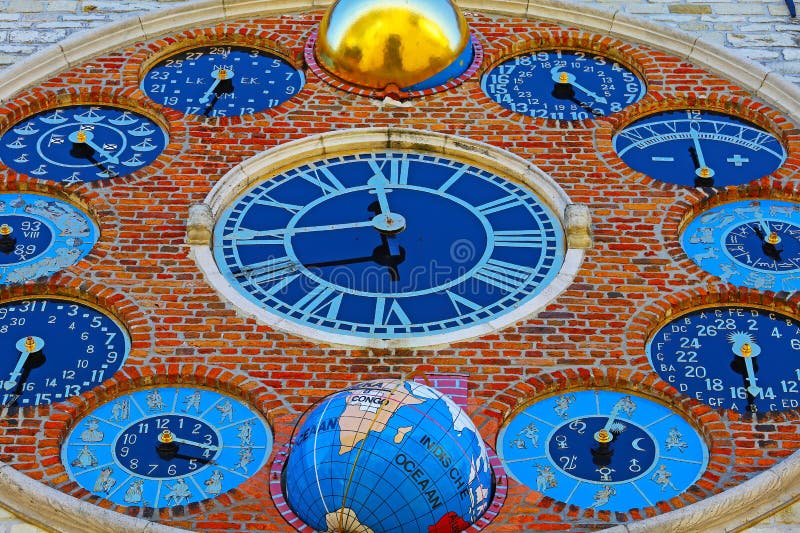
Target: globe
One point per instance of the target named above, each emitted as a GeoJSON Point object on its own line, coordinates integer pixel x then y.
{"type": "Point", "coordinates": [388, 456]}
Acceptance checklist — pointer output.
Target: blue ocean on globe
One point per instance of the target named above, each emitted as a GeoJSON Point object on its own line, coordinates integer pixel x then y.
{"type": "Point", "coordinates": [388, 456]}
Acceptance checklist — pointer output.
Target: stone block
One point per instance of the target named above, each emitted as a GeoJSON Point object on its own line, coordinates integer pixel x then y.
{"type": "Point", "coordinates": [690, 9]}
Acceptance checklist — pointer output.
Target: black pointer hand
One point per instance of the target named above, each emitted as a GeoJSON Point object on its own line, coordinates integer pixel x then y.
{"type": "Point", "coordinates": [84, 151]}
{"type": "Point", "coordinates": [383, 255]}
{"type": "Point", "coordinates": [201, 460]}
{"type": "Point", "coordinates": [224, 87]}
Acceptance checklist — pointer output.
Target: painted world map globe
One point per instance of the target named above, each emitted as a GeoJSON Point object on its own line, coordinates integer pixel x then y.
{"type": "Point", "coordinates": [388, 456]}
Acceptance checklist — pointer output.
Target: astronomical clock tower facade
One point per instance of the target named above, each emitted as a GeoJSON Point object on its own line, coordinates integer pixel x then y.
{"type": "Point", "coordinates": [397, 266]}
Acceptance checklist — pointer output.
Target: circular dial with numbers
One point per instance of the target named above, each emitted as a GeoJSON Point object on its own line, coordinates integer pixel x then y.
{"type": "Point", "coordinates": [753, 243]}
{"type": "Point", "coordinates": [731, 357]}
{"type": "Point", "coordinates": [346, 246]}
{"type": "Point", "coordinates": [55, 349]}
{"type": "Point", "coordinates": [167, 446]}
{"type": "Point", "coordinates": [82, 143]}
{"type": "Point", "coordinates": [40, 235]}
{"type": "Point", "coordinates": [699, 148]}
{"type": "Point", "coordinates": [563, 85]}
{"type": "Point", "coordinates": [605, 450]}
{"type": "Point", "coordinates": [219, 81]}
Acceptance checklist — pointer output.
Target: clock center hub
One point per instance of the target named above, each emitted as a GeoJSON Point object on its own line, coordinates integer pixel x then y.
{"type": "Point", "coordinates": [389, 223]}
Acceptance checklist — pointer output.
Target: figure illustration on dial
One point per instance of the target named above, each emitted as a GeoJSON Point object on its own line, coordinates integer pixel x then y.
{"type": "Point", "coordinates": [164, 447]}
{"type": "Point", "coordinates": [602, 450]}
{"type": "Point", "coordinates": [753, 243]}
{"type": "Point", "coordinates": [55, 349]}
{"type": "Point", "coordinates": [563, 85]}
{"type": "Point", "coordinates": [40, 235]}
{"type": "Point", "coordinates": [219, 81]}
{"type": "Point", "coordinates": [82, 143]}
{"type": "Point", "coordinates": [346, 245]}
{"type": "Point", "coordinates": [742, 358]}
{"type": "Point", "coordinates": [699, 148]}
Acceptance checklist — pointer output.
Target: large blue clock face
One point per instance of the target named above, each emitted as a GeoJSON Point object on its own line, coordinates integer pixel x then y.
{"type": "Point", "coordinates": [166, 446]}
{"type": "Point", "coordinates": [388, 245]}
{"type": "Point", "coordinates": [731, 357]}
{"type": "Point", "coordinates": [563, 85]}
{"type": "Point", "coordinates": [699, 148]}
{"type": "Point", "coordinates": [55, 349]}
{"type": "Point", "coordinates": [82, 143]}
{"type": "Point", "coordinates": [40, 235]}
{"type": "Point", "coordinates": [753, 243]}
{"type": "Point", "coordinates": [220, 81]}
{"type": "Point", "coordinates": [603, 450]}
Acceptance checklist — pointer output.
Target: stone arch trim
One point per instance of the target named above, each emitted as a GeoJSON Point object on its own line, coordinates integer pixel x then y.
{"type": "Point", "coordinates": [762, 494]}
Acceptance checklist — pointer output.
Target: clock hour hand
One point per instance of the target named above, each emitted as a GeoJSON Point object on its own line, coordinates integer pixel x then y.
{"type": "Point", "coordinates": [219, 75]}
{"type": "Point", "coordinates": [566, 78]}
{"type": "Point", "coordinates": [743, 345]}
{"type": "Point", "coordinates": [195, 443]}
{"type": "Point", "coordinates": [86, 137]}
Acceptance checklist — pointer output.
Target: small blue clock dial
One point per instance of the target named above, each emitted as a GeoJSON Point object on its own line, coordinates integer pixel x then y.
{"type": "Point", "coordinates": [55, 349]}
{"type": "Point", "coordinates": [563, 85]}
{"type": "Point", "coordinates": [166, 446]}
{"type": "Point", "coordinates": [699, 148]}
{"type": "Point", "coordinates": [604, 450]}
{"type": "Point", "coordinates": [40, 235]}
{"type": "Point", "coordinates": [745, 359]}
{"type": "Point", "coordinates": [82, 143]}
{"type": "Point", "coordinates": [388, 245]}
{"type": "Point", "coordinates": [753, 243]}
{"type": "Point", "coordinates": [220, 81]}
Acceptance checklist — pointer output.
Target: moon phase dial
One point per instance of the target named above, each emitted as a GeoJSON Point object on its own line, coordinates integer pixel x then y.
{"type": "Point", "coordinates": [82, 143]}
{"type": "Point", "coordinates": [166, 446]}
{"type": "Point", "coordinates": [602, 450]}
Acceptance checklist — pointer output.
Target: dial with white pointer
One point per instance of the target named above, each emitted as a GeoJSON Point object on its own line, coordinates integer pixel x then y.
{"type": "Point", "coordinates": [56, 348]}
{"type": "Point", "coordinates": [602, 449]}
{"type": "Point", "coordinates": [741, 358]}
{"type": "Point", "coordinates": [751, 243]}
{"type": "Point", "coordinates": [699, 148]}
{"type": "Point", "coordinates": [563, 85]}
{"type": "Point", "coordinates": [82, 143]}
{"type": "Point", "coordinates": [220, 81]}
{"type": "Point", "coordinates": [347, 246]}
{"type": "Point", "coordinates": [166, 446]}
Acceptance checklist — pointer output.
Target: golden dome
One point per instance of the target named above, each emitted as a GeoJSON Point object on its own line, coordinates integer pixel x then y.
{"type": "Point", "coordinates": [379, 43]}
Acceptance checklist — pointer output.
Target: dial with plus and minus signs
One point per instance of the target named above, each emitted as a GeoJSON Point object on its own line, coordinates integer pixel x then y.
{"type": "Point", "coordinates": [219, 81]}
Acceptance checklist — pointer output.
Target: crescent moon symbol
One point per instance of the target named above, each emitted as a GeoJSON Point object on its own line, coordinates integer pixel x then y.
{"type": "Point", "coordinates": [635, 444]}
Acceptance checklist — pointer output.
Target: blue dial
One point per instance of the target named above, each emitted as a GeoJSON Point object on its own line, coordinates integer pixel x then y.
{"type": "Point", "coordinates": [55, 349]}
{"type": "Point", "coordinates": [40, 235]}
{"type": "Point", "coordinates": [603, 450]}
{"type": "Point", "coordinates": [220, 81]}
{"type": "Point", "coordinates": [82, 143]}
{"type": "Point", "coordinates": [699, 148]}
{"type": "Point", "coordinates": [753, 243]}
{"type": "Point", "coordinates": [351, 245]}
{"type": "Point", "coordinates": [563, 85]}
{"type": "Point", "coordinates": [745, 359]}
{"type": "Point", "coordinates": [167, 446]}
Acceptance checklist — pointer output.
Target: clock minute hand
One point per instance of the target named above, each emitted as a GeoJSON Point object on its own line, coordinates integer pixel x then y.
{"type": "Point", "coordinates": [704, 171]}
{"type": "Point", "coordinates": [247, 234]}
{"type": "Point", "coordinates": [194, 443]}
{"type": "Point", "coordinates": [379, 183]}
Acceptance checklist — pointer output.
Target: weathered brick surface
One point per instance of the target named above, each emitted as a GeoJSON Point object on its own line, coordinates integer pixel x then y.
{"type": "Point", "coordinates": [592, 335]}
